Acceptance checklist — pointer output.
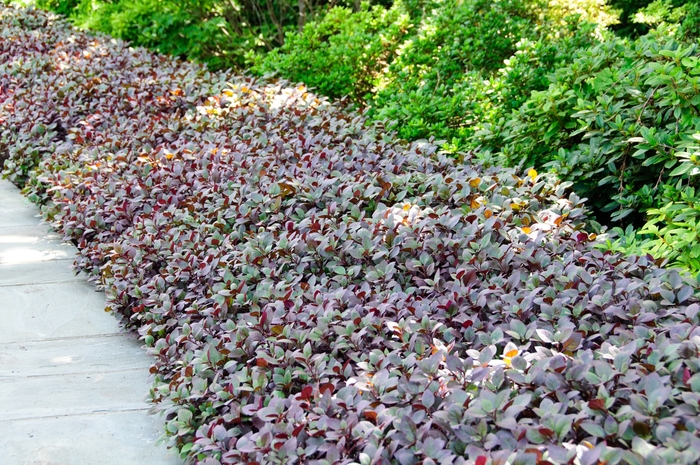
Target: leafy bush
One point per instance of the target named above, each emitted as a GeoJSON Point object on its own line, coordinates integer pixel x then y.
{"type": "Point", "coordinates": [424, 89]}
{"type": "Point", "coordinates": [187, 29]}
{"type": "Point", "coordinates": [220, 33]}
{"type": "Point", "coordinates": [479, 102]}
{"type": "Point", "coordinates": [613, 121]}
{"type": "Point", "coordinates": [343, 53]}
{"type": "Point", "coordinates": [672, 230]}
{"type": "Point", "coordinates": [436, 68]}
{"type": "Point", "coordinates": [638, 16]}
{"type": "Point", "coordinates": [63, 7]}
{"type": "Point", "coordinates": [675, 227]}
{"type": "Point", "coordinates": [658, 12]}
{"type": "Point", "coordinates": [690, 26]}
{"type": "Point", "coordinates": [313, 292]}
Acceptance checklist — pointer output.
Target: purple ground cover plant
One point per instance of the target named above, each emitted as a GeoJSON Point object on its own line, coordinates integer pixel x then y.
{"type": "Point", "coordinates": [314, 291]}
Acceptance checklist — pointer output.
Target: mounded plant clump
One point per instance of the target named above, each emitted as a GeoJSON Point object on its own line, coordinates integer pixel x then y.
{"type": "Point", "coordinates": [622, 121]}
{"type": "Point", "coordinates": [313, 292]}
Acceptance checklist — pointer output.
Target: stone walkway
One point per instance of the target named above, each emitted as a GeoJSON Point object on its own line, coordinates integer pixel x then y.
{"type": "Point", "coordinates": [72, 384]}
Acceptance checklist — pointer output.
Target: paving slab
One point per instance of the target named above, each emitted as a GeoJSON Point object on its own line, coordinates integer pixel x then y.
{"type": "Point", "coordinates": [31, 244]}
{"type": "Point", "coordinates": [66, 309]}
{"type": "Point", "coordinates": [73, 384]}
{"type": "Point", "coordinates": [101, 391]}
{"type": "Point", "coordinates": [16, 210]}
{"type": "Point", "coordinates": [120, 438]}
{"type": "Point", "coordinates": [54, 357]}
{"type": "Point", "coordinates": [43, 272]}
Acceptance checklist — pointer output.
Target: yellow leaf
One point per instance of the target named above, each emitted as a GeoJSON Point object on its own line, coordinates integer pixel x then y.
{"type": "Point", "coordinates": [532, 173]}
{"type": "Point", "coordinates": [286, 189]}
{"type": "Point", "coordinates": [512, 353]}
{"type": "Point", "coordinates": [515, 206]}
{"type": "Point", "coordinates": [526, 230]}
{"type": "Point", "coordinates": [488, 213]}
{"type": "Point", "coordinates": [475, 182]}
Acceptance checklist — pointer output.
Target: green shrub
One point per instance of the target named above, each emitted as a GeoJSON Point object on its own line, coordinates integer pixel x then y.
{"type": "Point", "coordinates": [618, 122]}
{"type": "Point", "coordinates": [637, 17]}
{"type": "Point", "coordinates": [436, 68]}
{"type": "Point", "coordinates": [182, 29]}
{"type": "Point", "coordinates": [471, 63]}
{"type": "Point", "coordinates": [658, 12]}
{"type": "Point", "coordinates": [453, 50]}
{"type": "Point", "coordinates": [612, 122]}
{"type": "Point", "coordinates": [526, 71]}
{"type": "Point", "coordinates": [343, 53]}
{"type": "Point", "coordinates": [219, 33]}
{"type": "Point", "coordinates": [64, 7]}
{"type": "Point", "coordinates": [690, 27]}
{"type": "Point", "coordinates": [672, 231]}
{"type": "Point", "coordinates": [195, 30]}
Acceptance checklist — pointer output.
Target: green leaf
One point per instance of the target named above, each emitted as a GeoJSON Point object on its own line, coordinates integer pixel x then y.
{"type": "Point", "coordinates": [593, 429]}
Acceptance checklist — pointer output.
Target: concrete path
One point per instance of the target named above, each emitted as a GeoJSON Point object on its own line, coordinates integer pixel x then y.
{"type": "Point", "coordinates": [72, 384]}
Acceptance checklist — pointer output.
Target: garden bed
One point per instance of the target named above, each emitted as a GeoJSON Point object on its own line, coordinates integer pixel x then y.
{"type": "Point", "coordinates": [313, 291]}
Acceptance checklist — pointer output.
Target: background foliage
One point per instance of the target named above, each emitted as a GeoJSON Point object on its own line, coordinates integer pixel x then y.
{"type": "Point", "coordinates": [618, 120]}
{"type": "Point", "coordinates": [221, 33]}
{"type": "Point", "coordinates": [445, 73]}
{"type": "Point", "coordinates": [614, 121]}
{"type": "Point", "coordinates": [343, 54]}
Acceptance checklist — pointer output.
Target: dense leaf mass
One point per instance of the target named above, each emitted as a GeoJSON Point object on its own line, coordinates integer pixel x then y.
{"type": "Point", "coordinates": [313, 292]}
{"type": "Point", "coordinates": [621, 120]}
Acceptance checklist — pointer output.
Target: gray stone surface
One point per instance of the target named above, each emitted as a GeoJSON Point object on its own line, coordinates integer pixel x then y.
{"type": "Point", "coordinates": [31, 244]}
{"type": "Point", "coordinates": [83, 354]}
{"type": "Point", "coordinates": [73, 385]}
{"type": "Point", "coordinates": [15, 210]}
{"type": "Point", "coordinates": [100, 391]}
{"type": "Point", "coordinates": [46, 272]}
{"type": "Point", "coordinates": [33, 312]}
{"type": "Point", "coordinates": [118, 438]}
